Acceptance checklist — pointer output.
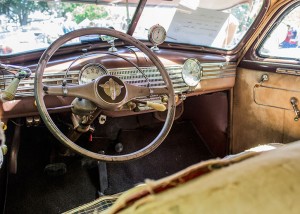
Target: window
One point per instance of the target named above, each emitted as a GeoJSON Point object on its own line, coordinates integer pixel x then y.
{"type": "Point", "coordinates": [284, 39]}
{"type": "Point", "coordinates": [210, 23]}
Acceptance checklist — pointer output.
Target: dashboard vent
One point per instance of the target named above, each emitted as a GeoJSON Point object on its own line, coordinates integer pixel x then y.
{"type": "Point", "coordinates": [135, 77]}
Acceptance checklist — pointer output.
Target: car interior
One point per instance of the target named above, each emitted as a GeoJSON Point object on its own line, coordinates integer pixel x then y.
{"type": "Point", "coordinates": [149, 106]}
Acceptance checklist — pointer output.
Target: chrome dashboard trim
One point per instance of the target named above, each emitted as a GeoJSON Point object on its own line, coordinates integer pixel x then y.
{"type": "Point", "coordinates": [130, 75]}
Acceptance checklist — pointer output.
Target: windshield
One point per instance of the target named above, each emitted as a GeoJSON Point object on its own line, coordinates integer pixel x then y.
{"type": "Point", "coordinates": [212, 23]}
{"type": "Point", "coordinates": [30, 25]}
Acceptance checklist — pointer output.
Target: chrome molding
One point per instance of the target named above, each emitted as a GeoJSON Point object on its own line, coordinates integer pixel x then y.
{"type": "Point", "coordinates": [25, 88]}
{"type": "Point", "coordinates": [288, 71]}
{"type": "Point", "coordinates": [130, 75]}
{"type": "Point", "coordinates": [278, 64]}
{"type": "Point", "coordinates": [218, 70]}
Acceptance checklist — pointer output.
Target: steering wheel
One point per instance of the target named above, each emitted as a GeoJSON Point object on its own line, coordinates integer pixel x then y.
{"type": "Point", "coordinates": [107, 92]}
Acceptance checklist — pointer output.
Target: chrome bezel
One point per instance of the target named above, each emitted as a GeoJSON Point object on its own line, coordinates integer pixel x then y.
{"type": "Point", "coordinates": [184, 76]}
{"type": "Point", "coordinates": [88, 65]}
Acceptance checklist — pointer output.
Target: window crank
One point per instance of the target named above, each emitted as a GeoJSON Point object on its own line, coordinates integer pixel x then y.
{"type": "Point", "coordinates": [294, 101]}
{"type": "Point", "coordinates": [264, 78]}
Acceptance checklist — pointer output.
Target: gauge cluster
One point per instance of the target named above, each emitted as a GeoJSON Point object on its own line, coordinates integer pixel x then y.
{"type": "Point", "coordinates": [191, 72]}
{"type": "Point", "coordinates": [91, 72]}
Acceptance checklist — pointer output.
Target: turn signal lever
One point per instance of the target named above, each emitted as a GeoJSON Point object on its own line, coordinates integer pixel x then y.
{"type": "Point", "coordinates": [20, 73]}
{"type": "Point", "coordinates": [155, 106]}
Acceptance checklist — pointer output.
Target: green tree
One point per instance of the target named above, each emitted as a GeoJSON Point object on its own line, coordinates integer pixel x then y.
{"type": "Point", "coordinates": [81, 12]}
{"type": "Point", "coordinates": [239, 13]}
{"type": "Point", "coordinates": [18, 10]}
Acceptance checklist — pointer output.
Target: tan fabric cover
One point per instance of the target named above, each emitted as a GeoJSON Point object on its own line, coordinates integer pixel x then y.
{"type": "Point", "coordinates": [266, 183]}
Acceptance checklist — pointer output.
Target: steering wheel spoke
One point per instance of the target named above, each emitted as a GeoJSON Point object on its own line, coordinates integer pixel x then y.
{"type": "Point", "coordinates": [139, 91]}
{"type": "Point", "coordinates": [85, 91]}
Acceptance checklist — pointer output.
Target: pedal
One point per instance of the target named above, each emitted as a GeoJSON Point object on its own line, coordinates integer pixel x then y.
{"type": "Point", "coordinates": [56, 169]}
{"type": "Point", "coordinates": [103, 179]}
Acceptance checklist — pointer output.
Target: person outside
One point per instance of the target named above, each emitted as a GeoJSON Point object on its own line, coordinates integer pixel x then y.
{"type": "Point", "coordinates": [290, 40]}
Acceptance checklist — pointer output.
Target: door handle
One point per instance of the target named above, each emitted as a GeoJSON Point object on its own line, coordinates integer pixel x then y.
{"type": "Point", "coordinates": [294, 101]}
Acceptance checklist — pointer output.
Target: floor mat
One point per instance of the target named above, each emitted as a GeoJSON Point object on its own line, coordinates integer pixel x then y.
{"type": "Point", "coordinates": [182, 148]}
{"type": "Point", "coordinates": [31, 191]}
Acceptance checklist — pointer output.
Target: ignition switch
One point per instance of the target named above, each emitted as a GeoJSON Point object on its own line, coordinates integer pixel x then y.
{"type": "Point", "coordinates": [102, 119]}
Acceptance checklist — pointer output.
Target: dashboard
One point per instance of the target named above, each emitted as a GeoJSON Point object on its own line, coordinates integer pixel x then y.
{"type": "Point", "coordinates": [191, 73]}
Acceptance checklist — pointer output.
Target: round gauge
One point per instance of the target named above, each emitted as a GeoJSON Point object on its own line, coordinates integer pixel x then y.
{"type": "Point", "coordinates": [91, 72]}
{"type": "Point", "coordinates": [157, 34]}
{"type": "Point", "coordinates": [192, 72]}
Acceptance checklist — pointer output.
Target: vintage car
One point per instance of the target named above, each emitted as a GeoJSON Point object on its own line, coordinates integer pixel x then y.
{"type": "Point", "coordinates": [110, 93]}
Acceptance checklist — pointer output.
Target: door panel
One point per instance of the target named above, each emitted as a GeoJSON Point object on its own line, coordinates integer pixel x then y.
{"type": "Point", "coordinates": [262, 112]}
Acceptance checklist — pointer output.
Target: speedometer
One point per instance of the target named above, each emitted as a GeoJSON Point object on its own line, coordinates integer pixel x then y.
{"type": "Point", "coordinates": [192, 72]}
{"type": "Point", "coordinates": [91, 72]}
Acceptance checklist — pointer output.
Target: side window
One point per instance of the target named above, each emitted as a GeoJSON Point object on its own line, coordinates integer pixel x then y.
{"type": "Point", "coordinates": [284, 39]}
